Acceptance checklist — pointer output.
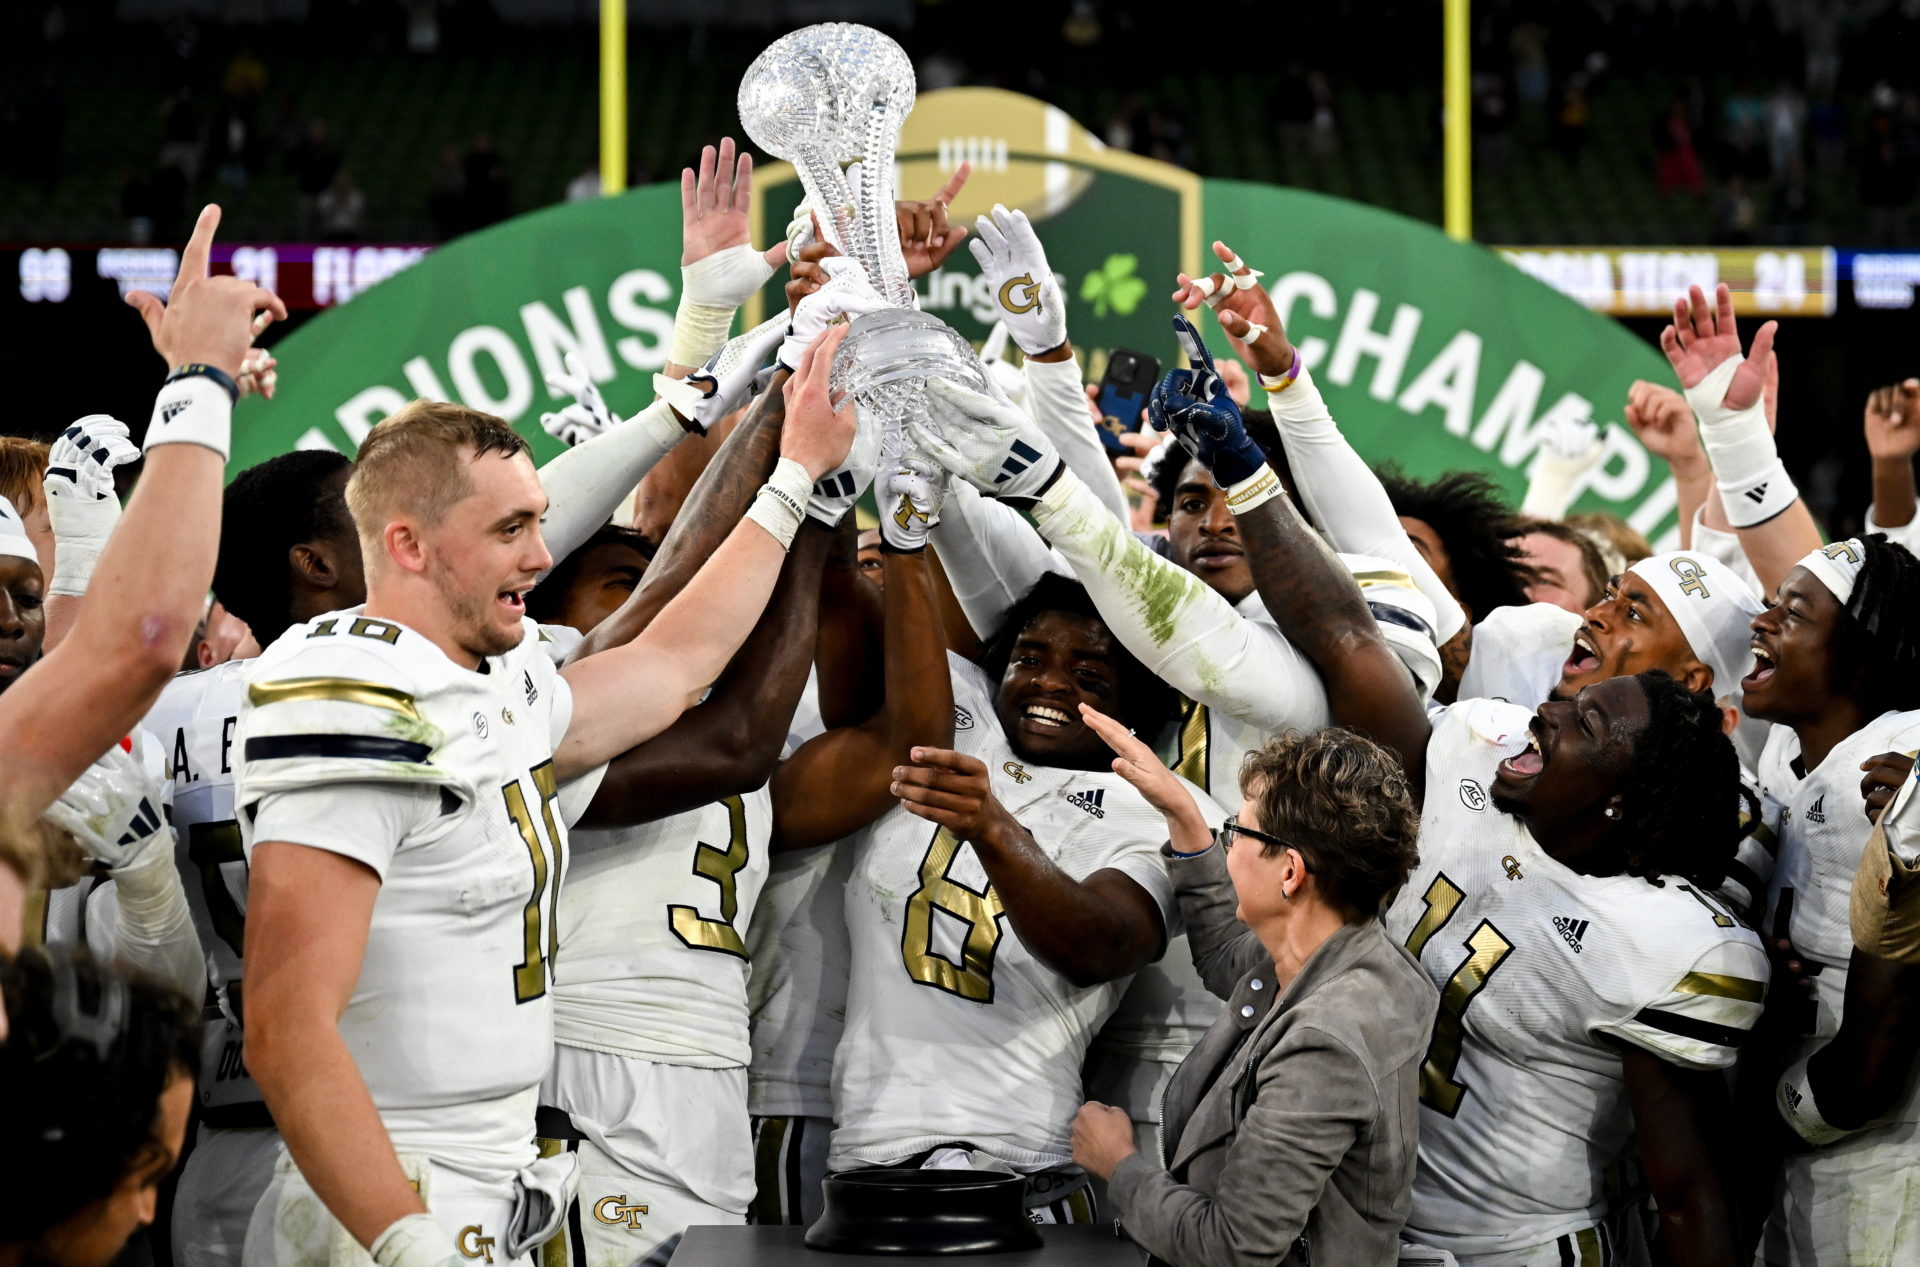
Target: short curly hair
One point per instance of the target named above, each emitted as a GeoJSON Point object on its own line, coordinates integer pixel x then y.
{"type": "Point", "coordinates": [1675, 798]}
{"type": "Point", "coordinates": [1344, 802]}
{"type": "Point", "coordinates": [1469, 514]}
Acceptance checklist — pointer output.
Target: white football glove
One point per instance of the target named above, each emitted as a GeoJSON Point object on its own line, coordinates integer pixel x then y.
{"type": "Point", "coordinates": [991, 445]}
{"type": "Point", "coordinates": [1569, 448]}
{"type": "Point", "coordinates": [725, 382]}
{"type": "Point", "coordinates": [910, 506]}
{"type": "Point", "coordinates": [1025, 294]}
{"type": "Point", "coordinates": [835, 492]}
{"type": "Point", "coordinates": [847, 293]}
{"type": "Point", "coordinates": [588, 415]}
{"type": "Point", "coordinates": [113, 810]}
{"type": "Point", "coordinates": [1009, 378]}
{"type": "Point", "coordinates": [81, 503]}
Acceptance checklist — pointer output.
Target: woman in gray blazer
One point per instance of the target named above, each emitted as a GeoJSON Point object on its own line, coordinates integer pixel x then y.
{"type": "Point", "coordinates": [1288, 1135]}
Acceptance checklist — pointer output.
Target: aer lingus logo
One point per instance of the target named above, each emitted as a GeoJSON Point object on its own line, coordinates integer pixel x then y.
{"type": "Point", "coordinates": [1113, 286]}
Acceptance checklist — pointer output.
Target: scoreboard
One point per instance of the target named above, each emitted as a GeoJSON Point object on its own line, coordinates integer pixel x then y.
{"type": "Point", "coordinates": [305, 275]}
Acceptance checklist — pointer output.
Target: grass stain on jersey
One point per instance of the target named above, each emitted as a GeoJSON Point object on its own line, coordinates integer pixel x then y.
{"type": "Point", "coordinates": [415, 730]}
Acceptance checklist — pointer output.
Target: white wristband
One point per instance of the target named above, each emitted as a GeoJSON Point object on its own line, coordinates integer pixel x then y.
{"type": "Point", "coordinates": [1253, 490]}
{"type": "Point", "coordinates": [73, 566]}
{"type": "Point", "coordinates": [1793, 1096]}
{"type": "Point", "coordinates": [782, 501]}
{"type": "Point", "coordinates": [1754, 486]}
{"type": "Point", "coordinates": [413, 1241]}
{"type": "Point", "coordinates": [192, 410]}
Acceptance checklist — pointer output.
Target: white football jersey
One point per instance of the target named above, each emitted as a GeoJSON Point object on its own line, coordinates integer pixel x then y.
{"type": "Point", "coordinates": [652, 960]}
{"type": "Point", "coordinates": [797, 994]}
{"type": "Point", "coordinates": [1518, 653]}
{"type": "Point", "coordinates": [451, 1021]}
{"type": "Point", "coordinates": [1822, 829]}
{"type": "Point", "coordinates": [954, 1031]}
{"type": "Point", "coordinates": [1542, 969]}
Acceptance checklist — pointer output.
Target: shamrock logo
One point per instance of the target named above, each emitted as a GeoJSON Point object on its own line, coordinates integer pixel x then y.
{"type": "Point", "coordinates": [1114, 286]}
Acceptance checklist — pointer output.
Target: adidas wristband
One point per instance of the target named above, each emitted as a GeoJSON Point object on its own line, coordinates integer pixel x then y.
{"type": "Point", "coordinates": [194, 407]}
{"type": "Point", "coordinates": [1793, 1096]}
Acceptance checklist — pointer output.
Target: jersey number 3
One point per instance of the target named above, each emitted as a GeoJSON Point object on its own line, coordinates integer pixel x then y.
{"type": "Point", "coordinates": [723, 867]}
{"type": "Point", "coordinates": [972, 977]}
{"type": "Point", "coordinates": [1487, 949]}
{"type": "Point", "coordinates": [530, 974]}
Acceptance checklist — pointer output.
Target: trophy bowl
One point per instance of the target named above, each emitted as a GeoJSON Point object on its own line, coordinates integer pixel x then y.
{"type": "Point", "coordinates": [815, 91]}
{"type": "Point", "coordinates": [888, 356]}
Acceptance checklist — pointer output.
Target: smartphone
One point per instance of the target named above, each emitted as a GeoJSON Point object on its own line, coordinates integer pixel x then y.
{"type": "Point", "coordinates": [1123, 395]}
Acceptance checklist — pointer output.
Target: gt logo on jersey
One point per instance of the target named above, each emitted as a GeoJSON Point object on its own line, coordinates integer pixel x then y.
{"type": "Point", "coordinates": [1089, 801]}
{"type": "Point", "coordinates": [962, 719]}
{"type": "Point", "coordinates": [1028, 290]}
{"type": "Point", "coordinates": [1691, 582]}
{"type": "Point", "coordinates": [472, 1244]}
{"type": "Point", "coordinates": [1472, 795]}
{"type": "Point", "coordinates": [1016, 772]}
{"type": "Point", "coordinates": [1512, 866]}
{"type": "Point", "coordinates": [614, 1211]}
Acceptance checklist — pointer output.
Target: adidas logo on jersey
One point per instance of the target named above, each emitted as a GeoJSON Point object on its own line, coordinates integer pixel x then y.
{"type": "Point", "coordinates": [1089, 801]}
{"type": "Point", "coordinates": [533, 692]}
{"type": "Point", "coordinates": [1571, 930]}
{"type": "Point", "coordinates": [1817, 812]}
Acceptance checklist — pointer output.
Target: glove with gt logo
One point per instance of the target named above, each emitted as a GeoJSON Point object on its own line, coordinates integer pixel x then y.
{"type": "Point", "coordinates": [588, 415]}
{"type": "Point", "coordinates": [990, 444]}
{"type": "Point", "coordinates": [113, 810]}
{"type": "Point", "coordinates": [81, 503]}
{"type": "Point", "coordinates": [835, 492]}
{"type": "Point", "coordinates": [1025, 294]}
{"type": "Point", "coordinates": [1194, 405]}
{"type": "Point", "coordinates": [910, 505]}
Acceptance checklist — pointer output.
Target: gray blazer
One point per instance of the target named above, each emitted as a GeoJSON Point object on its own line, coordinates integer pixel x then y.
{"type": "Point", "coordinates": [1288, 1135]}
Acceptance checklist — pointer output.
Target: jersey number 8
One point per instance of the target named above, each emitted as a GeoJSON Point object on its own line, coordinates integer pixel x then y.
{"type": "Point", "coordinates": [972, 977]}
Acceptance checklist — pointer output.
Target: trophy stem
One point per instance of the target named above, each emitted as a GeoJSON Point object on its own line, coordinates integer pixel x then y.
{"type": "Point", "coordinates": [826, 187]}
{"type": "Point", "coordinates": [880, 244]}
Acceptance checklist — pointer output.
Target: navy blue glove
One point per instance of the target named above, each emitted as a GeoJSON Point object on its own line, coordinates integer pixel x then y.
{"type": "Point", "coordinates": [1194, 406]}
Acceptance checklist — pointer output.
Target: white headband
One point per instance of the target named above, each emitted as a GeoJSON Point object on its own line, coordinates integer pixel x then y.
{"type": "Point", "coordinates": [1838, 566]}
{"type": "Point", "coordinates": [13, 534]}
{"type": "Point", "coordinates": [1714, 609]}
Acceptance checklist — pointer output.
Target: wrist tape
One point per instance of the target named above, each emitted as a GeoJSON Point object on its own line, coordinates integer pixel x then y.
{"type": "Point", "coordinates": [1793, 1096]}
{"type": "Point", "coordinates": [1754, 486]}
{"type": "Point", "coordinates": [781, 504]}
{"type": "Point", "coordinates": [194, 409]}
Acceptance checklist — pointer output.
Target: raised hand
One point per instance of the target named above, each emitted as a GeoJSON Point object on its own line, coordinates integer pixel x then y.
{"type": "Point", "coordinates": [992, 445]}
{"type": "Point", "coordinates": [1662, 422]}
{"type": "Point", "coordinates": [588, 416]}
{"type": "Point", "coordinates": [910, 504]}
{"type": "Point", "coordinates": [1703, 336]}
{"type": "Point", "coordinates": [952, 789]}
{"type": "Point", "coordinates": [713, 207]}
{"type": "Point", "coordinates": [1026, 297]}
{"type": "Point", "coordinates": [1893, 421]}
{"type": "Point", "coordinates": [926, 238]}
{"type": "Point", "coordinates": [1245, 311]}
{"type": "Point", "coordinates": [80, 462]}
{"type": "Point", "coordinates": [815, 434]}
{"type": "Point", "coordinates": [841, 290]}
{"type": "Point", "coordinates": [1194, 405]}
{"type": "Point", "coordinates": [1885, 775]}
{"type": "Point", "coordinates": [206, 320]}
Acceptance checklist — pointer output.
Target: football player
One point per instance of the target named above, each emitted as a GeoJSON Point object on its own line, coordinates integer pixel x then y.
{"type": "Point", "coordinates": [1837, 669]}
{"type": "Point", "coordinates": [402, 775]}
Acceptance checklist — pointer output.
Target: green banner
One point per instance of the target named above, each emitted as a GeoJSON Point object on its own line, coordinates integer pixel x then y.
{"type": "Point", "coordinates": [1434, 354]}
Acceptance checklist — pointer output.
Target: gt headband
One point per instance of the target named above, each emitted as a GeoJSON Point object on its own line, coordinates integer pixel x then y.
{"type": "Point", "coordinates": [1713, 607]}
{"type": "Point", "coordinates": [1838, 566]}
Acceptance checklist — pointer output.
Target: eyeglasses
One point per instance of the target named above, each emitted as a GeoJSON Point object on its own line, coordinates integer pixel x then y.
{"type": "Point", "coordinates": [1225, 833]}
